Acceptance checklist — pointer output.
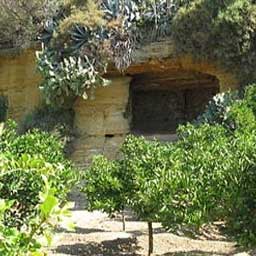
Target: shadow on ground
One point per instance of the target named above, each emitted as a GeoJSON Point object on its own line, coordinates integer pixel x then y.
{"type": "Point", "coordinates": [81, 231]}
{"type": "Point", "coordinates": [117, 247]}
{"type": "Point", "coordinates": [191, 253]}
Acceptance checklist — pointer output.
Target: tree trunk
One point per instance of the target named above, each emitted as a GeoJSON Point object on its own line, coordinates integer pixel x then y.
{"type": "Point", "coordinates": [150, 239]}
{"type": "Point", "coordinates": [123, 220]}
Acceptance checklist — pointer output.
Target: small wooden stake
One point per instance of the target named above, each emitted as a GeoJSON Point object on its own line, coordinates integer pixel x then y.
{"type": "Point", "coordinates": [123, 220]}
{"type": "Point", "coordinates": [150, 239]}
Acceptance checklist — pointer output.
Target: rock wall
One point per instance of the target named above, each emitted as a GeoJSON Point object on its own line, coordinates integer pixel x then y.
{"type": "Point", "coordinates": [102, 123]}
{"type": "Point", "coordinates": [19, 82]}
{"type": "Point", "coordinates": [160, 57]}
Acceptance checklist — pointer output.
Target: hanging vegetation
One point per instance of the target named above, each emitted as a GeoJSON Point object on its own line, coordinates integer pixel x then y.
{"type": "Point", "coordinates": [20, 21]}
{"type": "Point", "coordinates": [80, 37]}
{"type": "Point", "coordinates": [84, 36]}
{"type": "Point", "coordinates": [220, 31]}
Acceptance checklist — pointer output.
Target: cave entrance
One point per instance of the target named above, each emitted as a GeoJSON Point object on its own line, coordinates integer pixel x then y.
{"type": "Point", "coordinates": [161, 102]}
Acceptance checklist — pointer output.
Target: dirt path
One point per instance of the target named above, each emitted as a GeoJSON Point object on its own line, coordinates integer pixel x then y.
{"type": "Point", "coordinates": [97, 235]}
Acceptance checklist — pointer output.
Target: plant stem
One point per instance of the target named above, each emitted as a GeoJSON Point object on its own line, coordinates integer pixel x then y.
{"type": "Point", "coordinates": [150, 239]}
{"type": "Point", "coordinates": [34, 230]}
{"type": "Point", "coordinates": [123, 220]}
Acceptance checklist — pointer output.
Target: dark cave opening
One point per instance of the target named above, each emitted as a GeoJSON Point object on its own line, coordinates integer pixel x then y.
{"type": "Point", "coordinates": [161, 102]}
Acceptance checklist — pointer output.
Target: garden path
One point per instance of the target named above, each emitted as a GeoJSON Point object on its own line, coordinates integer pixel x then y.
{"type": "Point", "coordinates": [98, 235]}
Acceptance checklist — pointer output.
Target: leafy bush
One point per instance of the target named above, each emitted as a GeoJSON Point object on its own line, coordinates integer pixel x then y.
{"type": "Point", "coordinates": [217, 109]}
{"type": "Point", "coordinates": [207, 175]}
{"type": "Point", "coordinates": [35, 181]}
{"type": "Point", "coordinates": [103, 188]}
{"type": "Point", "coordinates": [250, 97]}
{"type": "Point", "coordinates": [132, 182]}
{"type": "Point", "coordinates": [17, 242]}
{"type": "Point", "coordinates": [57, 121]}
{"type": "Point", "coordinates": [145, 171]}
{"type": "Point", "coordinates": [228, 160]}
{"type": "Point", "coordinates": [221, 31]}
{"type": "Point", "coordinates": [34, 142]}
{"type": "Point", "coordinates": [20, 21]}
{"type": "Point", "coordinates": [84, 37]}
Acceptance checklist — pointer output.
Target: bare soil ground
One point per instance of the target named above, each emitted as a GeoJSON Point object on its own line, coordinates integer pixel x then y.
{"type": "Point", "coordinates": [98, 235]}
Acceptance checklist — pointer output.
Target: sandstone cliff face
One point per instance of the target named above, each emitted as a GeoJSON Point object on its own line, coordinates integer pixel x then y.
{"type": "Point", "coordinates": [103, 123]}
{"type": "Point", "coordinates": [19, 82]}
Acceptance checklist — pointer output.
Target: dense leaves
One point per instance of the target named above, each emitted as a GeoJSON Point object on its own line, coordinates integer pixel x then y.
{"type": "Point", "coordinates": [103, 189]}
{"type": "Point", "coordinates": [56, 121]}
{"type": "Point", "coordinates": [35, 181]}
{"type": "Point", "coordinates": [21, 20]}
{"type": "Point", "coordinates": [218, 107]}
{"type": "Point", "coordinates": [221, 31]}
{"type": "Point", "coordinates": [83, 38]}
{"type": "Point", "coordinates": [207, 175]}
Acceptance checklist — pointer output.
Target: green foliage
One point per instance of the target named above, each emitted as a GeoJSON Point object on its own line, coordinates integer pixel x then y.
{"type": "Point", "coordinates": [68, 79]}
{"type": "Point", "coordinates": [222, 108]}
{"type": "Point", "coordinates": [23, 242]}
{"type": "Point", "coordinates": [20, 20]}
{"type": "Point", "coordinates": [103, 188]}
{"type": "Point", "coordinates": [222, 31]}
{"type": "Point", "coordinates": [25, 160]}
{"type": "Point", "coordinates": [207, 175]}
{"type": "Point", "coordinates": [84, 37]}
{"type": "Point", "coordinates": [143, 166]}
{"type": "Point", "coordinates": [57, 121]}
{"type": "Point", "coordinates": [32, 143]}
{"type": "Point", "coordinates": [250, 97]}
{"type": "Point", "coordinates": [217, 110]}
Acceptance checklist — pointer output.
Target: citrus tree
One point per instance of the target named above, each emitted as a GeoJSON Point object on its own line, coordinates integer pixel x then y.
{"type": "Point", "coordinates": [104, 188]}
{"type": "Point", "coordinates": [207, 175]}
{"type": "Point", "coordinates": [35, 179]}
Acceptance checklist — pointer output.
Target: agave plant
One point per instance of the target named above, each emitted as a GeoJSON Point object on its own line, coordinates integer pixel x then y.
{"type": "Point", "coordinates": [129, 24]}
{"type": "Point", "coordinates": [47, 33]}
{"type": "Point", "coordinates": [80, 36]}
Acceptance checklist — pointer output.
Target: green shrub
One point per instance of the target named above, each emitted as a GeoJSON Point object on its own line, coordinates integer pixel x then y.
{"type": "Point", "coordinates": [143, 164]}
{"type": "Point", "coordinates": [207, 175]}
{"type": "Point", "coordinates": [24, 160]}
{"type": "Point", "coordinates": [231, 155]}
{"type": "Point", "coordinates": [25, 241]}
{"type": "Point", "coordinates": [250, 97]}
{"type": "Point", "coordinates": [34, 142]}
{"type": "Point", "coordinates": [220, 31]}
{"type": "Point", "coordinates": [217, 108]}
{"type": "Point", "coordinates": [103, 188]}
{"type": "Point", "coordinates": [131, 182]}
{"type": "Point", "coordinates": [57, 121]}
